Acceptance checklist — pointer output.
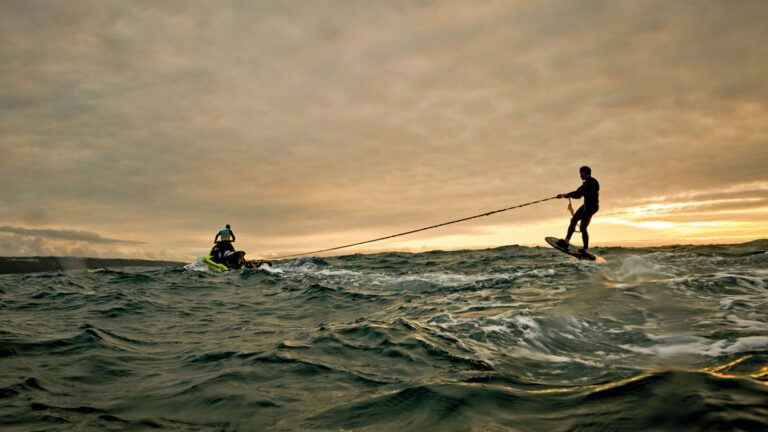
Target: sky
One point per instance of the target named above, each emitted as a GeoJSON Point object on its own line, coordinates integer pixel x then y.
{"type": "Point", "coordinates": [139, 128]}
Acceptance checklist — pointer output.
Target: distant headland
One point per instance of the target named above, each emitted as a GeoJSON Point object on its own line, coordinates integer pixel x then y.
{"type": "Point", "coordinates": [11, 265]}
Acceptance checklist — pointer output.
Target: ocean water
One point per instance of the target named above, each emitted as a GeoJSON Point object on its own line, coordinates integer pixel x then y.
{"type": "Point", "coordinates": [513, 338]}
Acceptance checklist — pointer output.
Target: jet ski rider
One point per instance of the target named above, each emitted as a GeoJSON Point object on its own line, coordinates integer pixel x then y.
{"type": "Point", "coordinates": [224, 245]}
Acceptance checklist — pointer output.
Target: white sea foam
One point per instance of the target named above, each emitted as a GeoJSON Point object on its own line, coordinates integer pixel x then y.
{"type": "Point", "coordinates": [494, 328]}
{"type": "Point", "coordinates": [447, 279]}
{"type": "Point", "coordinates": [270, 269]}
{"type": "Point", "coordinates": [197, 265]}
{"type": "Point", "coordinates": [200, 266]}
{"type": "Point", "coordinates": [528, 326]}
{"type": "Point", "coordinates": [636, 269]}
{"type": "Point", "coordinates": [675, 345]}
{"type": "Point", "coordinates": [337, 272]}
{"type": "Point", "coordinates": [442, 319]}
{"type": "Point", "coordinates": [515, 334]}
{"type": "Point", "coordinates": [458, 279]}
{"type": "Point", "coordinates": [527, 353]}
{"type": "Point", "coordinates": [748, 343]}
{"type": "Point", "coordinates": [747, 323]}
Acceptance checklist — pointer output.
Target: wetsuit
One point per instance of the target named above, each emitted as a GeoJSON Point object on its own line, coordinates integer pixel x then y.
{"type": "Point", "coordinates": [590, 190]}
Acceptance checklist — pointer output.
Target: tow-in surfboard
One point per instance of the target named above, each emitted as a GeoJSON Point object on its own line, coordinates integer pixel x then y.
{"type": "Point", "coordinates": [570, 250]}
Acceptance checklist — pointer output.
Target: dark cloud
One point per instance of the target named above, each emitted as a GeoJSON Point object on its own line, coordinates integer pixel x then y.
{"type": "Point", "coordinates": [79, 236]}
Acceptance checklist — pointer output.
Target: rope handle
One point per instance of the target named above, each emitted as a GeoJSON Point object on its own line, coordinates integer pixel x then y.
{"type": "Point", "coordinates": [570, 209]}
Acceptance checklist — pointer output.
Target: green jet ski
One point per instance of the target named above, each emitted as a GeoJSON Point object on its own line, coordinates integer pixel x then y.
{"type": "Point", "coordinates": [223, 258]}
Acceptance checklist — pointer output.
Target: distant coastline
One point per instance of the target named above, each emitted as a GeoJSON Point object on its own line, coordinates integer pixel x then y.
{"type": "Point", "coordinates": [17, 265]}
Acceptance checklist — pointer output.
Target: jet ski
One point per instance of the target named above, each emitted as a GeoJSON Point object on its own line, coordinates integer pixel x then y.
{"type": "Point", "coordinates": [223, 257]}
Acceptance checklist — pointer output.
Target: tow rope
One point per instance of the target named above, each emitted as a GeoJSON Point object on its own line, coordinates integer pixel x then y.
{"type": "Point", "coordinates": [415, 230]}
{"type": "Point", "coordinates": [570, 209]}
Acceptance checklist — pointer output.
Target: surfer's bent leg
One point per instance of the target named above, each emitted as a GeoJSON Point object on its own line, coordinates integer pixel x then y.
{"type": "Point", "coordinates": [574, 219]}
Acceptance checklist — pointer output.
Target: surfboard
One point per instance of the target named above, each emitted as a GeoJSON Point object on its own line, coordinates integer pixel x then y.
{"type": "Point", "coordinates": [570, 250]}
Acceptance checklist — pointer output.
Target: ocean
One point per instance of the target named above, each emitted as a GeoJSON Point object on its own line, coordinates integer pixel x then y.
{"type": "Point", "coordinates": [512, 338]}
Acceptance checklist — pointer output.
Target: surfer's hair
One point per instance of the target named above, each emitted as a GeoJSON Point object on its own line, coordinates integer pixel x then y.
{"type": "Point", "coordinates": [586, 170]}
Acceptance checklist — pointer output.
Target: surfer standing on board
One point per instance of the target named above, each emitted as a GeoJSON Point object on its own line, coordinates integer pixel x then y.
{"type": "Point", "coordinates": [590, 190]}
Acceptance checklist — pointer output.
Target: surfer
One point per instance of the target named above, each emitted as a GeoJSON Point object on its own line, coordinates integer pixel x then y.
{"type": "Point", "coordinates": [590, 190]}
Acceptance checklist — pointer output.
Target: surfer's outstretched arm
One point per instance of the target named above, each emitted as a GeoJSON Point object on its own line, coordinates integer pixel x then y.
{"type": "Point", "coordinates": [577, 194]}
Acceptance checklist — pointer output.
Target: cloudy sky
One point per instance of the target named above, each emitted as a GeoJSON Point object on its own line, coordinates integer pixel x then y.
{"type": "Point", "coordinates": [139, 128]}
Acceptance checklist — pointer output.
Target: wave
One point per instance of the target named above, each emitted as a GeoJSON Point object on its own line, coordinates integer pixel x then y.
{"type": "Point", "coordinates": [693, 401]}
{"type": "Point", "coordinates": [510, 338]}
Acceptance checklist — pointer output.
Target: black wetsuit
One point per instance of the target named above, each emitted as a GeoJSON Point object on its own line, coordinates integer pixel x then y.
{"type": "Point", "coordinates": [590, 190]}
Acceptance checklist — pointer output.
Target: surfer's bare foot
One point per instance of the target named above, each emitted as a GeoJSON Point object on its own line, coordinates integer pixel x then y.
{"type": "Point", "coordinates": [584, 251]}
{"type": "Point", "coordinates": [563, 243]}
